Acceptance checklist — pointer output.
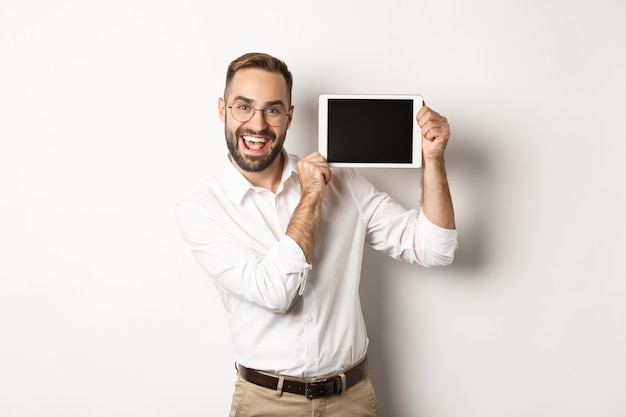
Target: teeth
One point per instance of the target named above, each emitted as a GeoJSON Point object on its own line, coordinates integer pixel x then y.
{"type": "Point", "coordinates": [254, 139]}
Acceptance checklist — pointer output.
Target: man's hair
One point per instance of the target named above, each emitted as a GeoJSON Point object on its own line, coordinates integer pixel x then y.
{"type": "Point", "coordinates": [260, 61]}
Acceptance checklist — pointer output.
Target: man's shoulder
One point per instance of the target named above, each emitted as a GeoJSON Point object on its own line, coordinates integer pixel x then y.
{"type": "Point", "coordinates": [198, 199]}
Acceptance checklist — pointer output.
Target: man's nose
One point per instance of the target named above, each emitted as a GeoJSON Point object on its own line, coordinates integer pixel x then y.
{"type": "Point", "coordinates": [258, 120]}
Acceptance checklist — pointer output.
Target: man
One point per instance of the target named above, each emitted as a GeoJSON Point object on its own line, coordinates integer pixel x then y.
{"type": "Point", "coordinates": [282, 239]}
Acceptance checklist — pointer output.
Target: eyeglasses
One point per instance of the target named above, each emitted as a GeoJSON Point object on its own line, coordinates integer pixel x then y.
{"type": "Point", "coordinates": [274, 115]}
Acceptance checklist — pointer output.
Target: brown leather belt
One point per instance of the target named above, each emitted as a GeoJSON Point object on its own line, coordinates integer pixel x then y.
{"type": "Point", "coordinates": [318, 388]}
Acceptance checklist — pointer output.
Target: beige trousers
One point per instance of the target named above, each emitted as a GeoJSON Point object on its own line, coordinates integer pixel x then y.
{"type": "Point", "coordinates": [251, 400]}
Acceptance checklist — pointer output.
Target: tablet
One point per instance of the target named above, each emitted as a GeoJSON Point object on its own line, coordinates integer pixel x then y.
{"type": "Point", "coordinates": [370, 130]}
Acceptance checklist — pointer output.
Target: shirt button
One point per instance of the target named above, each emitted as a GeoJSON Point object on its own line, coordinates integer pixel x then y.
{"type": "Point", "coordinates": [310, 319]}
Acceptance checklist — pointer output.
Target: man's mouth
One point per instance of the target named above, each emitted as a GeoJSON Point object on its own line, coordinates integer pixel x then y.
{"type": "Point", "coordinates": [254, 143]}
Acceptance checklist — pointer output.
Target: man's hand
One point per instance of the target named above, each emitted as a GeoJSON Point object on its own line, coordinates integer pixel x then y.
{"type": "Point", "coordinates": [435, 133]}
{"type": "Point", "coordinates": [314, 174]}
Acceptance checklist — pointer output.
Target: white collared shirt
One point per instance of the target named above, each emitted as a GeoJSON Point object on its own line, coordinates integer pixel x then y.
{"type": "Point", "coordinates": [288, 316]}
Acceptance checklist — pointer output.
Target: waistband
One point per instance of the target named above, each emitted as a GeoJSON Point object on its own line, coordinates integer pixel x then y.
{"type": "Point", "coordinates": [328, 385]}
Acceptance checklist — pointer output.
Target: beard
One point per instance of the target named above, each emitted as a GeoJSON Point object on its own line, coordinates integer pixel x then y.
{"type": "Point", "coordinates": [257, 163]}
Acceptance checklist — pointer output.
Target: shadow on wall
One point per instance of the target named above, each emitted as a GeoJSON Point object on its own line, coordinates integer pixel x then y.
{"type": "Point", "coordinates": [302, 135]}
{"type": "Point", "coordinates": [472, 185]}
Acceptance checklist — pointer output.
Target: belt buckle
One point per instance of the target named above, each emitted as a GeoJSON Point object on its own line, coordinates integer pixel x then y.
{"type": "Point", "coordinates": [307, 388]}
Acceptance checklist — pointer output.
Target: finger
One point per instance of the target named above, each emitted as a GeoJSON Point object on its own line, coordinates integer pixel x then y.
{"type": "Point", "coordinates": [322, 167]}
{"type": "Point", "coordinates": [433, 119]}
{"type": "Point", "coordinates": [426, 115]}
{"type": "Point", "coordinates": [316, 156]}
{"type": "Point", "coordinates": [431, 116]}
{"type": "Point", "coordinates": [422, 112]}
{"type": "Point", "coordinates": [315, 165]}
{"type": "Point", "coordinates": [327, 175]}
{"type": "Point", "coordinates": [432, 134]}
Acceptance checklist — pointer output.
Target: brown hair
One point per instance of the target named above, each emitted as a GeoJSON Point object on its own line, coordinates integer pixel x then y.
{"type": "Point", "coordinates": [261, 61]}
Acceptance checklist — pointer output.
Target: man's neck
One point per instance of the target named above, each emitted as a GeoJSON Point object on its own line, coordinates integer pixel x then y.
{"type": "Point", "coordinates": [269, 178]}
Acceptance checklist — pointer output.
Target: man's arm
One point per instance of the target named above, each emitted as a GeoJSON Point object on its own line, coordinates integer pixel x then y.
{"type": "Point", "coordinates": [436, 199]}
{"type": "Point", "coordinates": [314, 175]}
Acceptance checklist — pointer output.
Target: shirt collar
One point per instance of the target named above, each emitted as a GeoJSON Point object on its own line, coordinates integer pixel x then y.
{"type": "Point", "coordinates": [238, 186]}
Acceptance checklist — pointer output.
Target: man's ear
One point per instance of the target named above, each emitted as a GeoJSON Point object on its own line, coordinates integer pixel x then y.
{"type": "Point", "coordinates": [221, 108]}
{"type": "Point", "coordinates": [290, 118]}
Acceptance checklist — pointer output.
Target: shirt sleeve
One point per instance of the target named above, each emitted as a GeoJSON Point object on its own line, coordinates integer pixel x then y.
{"type": "Point", "coordinates": [440, 243]}
{"type": "Point", "coordinates": [403, 234]}
{"type": "Point", "coordinates": [270, 279]}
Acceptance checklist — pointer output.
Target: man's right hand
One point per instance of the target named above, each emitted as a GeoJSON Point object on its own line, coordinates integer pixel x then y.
{"type": "Point", "coordinates": [314, 174]}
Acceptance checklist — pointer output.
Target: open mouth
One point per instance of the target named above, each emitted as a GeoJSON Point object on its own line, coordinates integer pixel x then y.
{"type": "Point", "coordinates": [254, 143]}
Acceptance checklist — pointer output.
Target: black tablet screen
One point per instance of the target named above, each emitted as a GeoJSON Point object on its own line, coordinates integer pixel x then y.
{"type": "Point", "coordinates": [370, 130]}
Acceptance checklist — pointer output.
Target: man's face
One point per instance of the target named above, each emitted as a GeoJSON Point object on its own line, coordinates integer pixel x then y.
{"type": "Point", "coordinates": [254, 144]}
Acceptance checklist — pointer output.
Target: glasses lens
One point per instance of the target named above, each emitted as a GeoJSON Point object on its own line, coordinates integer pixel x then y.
{"type": "Point", "coordinates": [241, 111]}
{"type": "Point", "coordinates": [274, 115]}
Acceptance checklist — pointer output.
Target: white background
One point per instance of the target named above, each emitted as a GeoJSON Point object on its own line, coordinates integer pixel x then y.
{"type": "Point", "coordinates": [108, 118]}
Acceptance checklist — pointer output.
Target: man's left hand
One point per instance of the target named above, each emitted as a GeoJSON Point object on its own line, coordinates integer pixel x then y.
{"type": "Point", "coordinates": [435, 133]}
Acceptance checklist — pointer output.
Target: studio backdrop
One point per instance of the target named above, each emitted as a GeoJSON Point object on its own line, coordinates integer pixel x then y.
{"type": "Point", "coordinates": [108, 117]}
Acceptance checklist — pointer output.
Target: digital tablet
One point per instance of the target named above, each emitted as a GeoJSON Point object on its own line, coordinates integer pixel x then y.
{"type": "Point", "coordinates": [370, 130]}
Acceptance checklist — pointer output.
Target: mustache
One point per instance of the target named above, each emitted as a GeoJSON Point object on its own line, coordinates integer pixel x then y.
{"type": "Point", "coordinates": [245, 131]}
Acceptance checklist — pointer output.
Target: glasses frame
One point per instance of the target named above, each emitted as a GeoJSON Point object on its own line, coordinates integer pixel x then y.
{"type": "Point", "coordinates": [254, 110]}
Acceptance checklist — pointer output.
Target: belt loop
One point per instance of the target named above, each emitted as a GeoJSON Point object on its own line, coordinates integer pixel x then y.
{"type": "Point", "coordinates": [279, 386]}
{"type": "Point", "coordinates": [343, 383]}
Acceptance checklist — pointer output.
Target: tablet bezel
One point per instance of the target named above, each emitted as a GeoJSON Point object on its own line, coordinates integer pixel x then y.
{"type": "Point", "coordinates": [416, 157]}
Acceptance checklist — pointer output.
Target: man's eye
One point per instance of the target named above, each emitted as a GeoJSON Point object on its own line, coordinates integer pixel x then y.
{"type": "Point", "coordinates": [273, 110]}
{"type": "Point", "coordinates": [243, 107]}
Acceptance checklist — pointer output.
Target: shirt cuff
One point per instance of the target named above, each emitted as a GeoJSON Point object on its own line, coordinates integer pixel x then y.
{"type": "Point", "coordinates": [300, 266]}
{"type": "Point", "coordinates": [439, 236]}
